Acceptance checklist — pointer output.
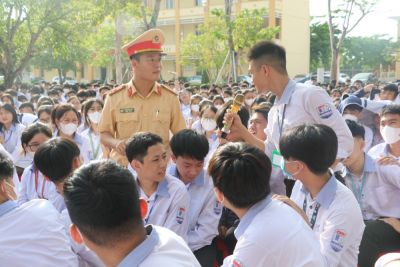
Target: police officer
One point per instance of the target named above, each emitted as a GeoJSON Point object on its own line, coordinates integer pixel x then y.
{"type": "Point", "coordinates": [142, 104]}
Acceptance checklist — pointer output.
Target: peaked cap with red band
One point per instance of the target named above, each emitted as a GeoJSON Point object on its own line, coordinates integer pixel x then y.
{"type": "Point", "coordinates": [149, 41]}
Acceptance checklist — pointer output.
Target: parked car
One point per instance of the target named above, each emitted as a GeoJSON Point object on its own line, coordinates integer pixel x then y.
{"type": "Point", "coordinates": [365, 77]}
{"type": "Point", "coordinates": [194, 80]}
{"type": "Point", "coordinates": [246, 78]}
{"type": "Point", "coordinates": [67, 80]}
{"type": "Point", "coordinates": [37, 80]}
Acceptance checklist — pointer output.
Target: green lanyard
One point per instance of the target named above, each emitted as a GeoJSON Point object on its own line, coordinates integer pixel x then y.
{"type": "Point", "coordinates": [95, 151]}
{"type": "Point", "coordinates": [315, 213]}
{"type": "Point", "coordinates": [358, 191]}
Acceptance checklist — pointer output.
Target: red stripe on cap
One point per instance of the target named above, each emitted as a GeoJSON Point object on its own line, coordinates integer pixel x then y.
{"type": "Point", "coordinates": [142, 46]}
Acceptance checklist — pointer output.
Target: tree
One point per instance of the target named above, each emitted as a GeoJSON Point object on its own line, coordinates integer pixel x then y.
{"type": "Point", "coordinates": [348, 14]}
{"type": "Point", "coordinates": [320, 55]}
{"type": "Point", "coordinates": [154, 14]}
{"type": "Point", "coordinates": [22, 23]}
{"type": "Point", "coordinates": [208, 49]}
{"type": "Point", "coordinates": [368, 53]}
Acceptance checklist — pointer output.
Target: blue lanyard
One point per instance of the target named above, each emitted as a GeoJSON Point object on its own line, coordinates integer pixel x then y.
{"type": "Point", "coordinates": [151, 210]}
{"type": "Point", "coordinates": [6, 139]}
{"type": "Point", "coordinates": [315, 213]}
{"type": "Point", "coordinates": [358, 192]}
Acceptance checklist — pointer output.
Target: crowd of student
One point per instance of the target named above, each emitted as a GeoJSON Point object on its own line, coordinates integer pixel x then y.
{"type": "Point", "coordinates": [202, 199]}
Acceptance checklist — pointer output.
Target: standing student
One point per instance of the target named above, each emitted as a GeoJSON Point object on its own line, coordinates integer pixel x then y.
{"type": "Point", "coordinates": [332, 209]}
{"type": "Point", "coordinates": [103, 201]}
{"type": "Point", "coordinates": [270, 233]}
{"type": "Point", "coordinates": [166, 196]}
{"type": "Point", "coordinates": [189, 150]}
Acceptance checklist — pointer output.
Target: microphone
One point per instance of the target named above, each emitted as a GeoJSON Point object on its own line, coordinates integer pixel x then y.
{"type": "Point", "coordinates": [235, 107]}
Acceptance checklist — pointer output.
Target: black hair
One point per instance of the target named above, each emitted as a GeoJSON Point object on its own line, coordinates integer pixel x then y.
{"type": "Point", "coordinates": [391, 109]}
{"type": "Point", "coordinates": [34, 129]}
{"type": "Point", "coordinates": [269, 53]}
{"type": "Point", "coordinates": [316, 145]}
{"type": "Point", "coordinates": [103, 202]}
{"type": "Point", "coordinates": [353, 107]}
{"type": "Point", "coordinates": [189, 143]}
{"type": "Point", "coordinates": [139, 143]}
{"type": "Point", "coordinates": [60, 110]}
{"type": "Point", "coordinates": [6, 167]}
{"type": "Point", "coordinates": [263, 108]}
{"type": "Point", "coordinates": [391, 88]}
{"type": "Point", "coordinates": [86, 107]}
{"type": "Point", "coordinates": [10, 97]}
{"type": "Point", "coordinates": [241, 172]}
{"type": "Point", "coordinates": [44, 108]}
{"type": "Point", "coordinates": [55, 157]}
{"type": "Point", "coordinates": [9, 108]}
{"type": "Point", "coordinates": [27, 105]}
{"type": "Point", "coordinates": [356, 129]}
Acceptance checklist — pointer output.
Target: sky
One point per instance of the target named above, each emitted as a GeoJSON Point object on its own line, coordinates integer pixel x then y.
{"type": "Point", "coordinates": [377, 22]}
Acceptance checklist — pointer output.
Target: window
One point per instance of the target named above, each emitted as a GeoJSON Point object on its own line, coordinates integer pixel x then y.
{"type": "Point", "coordinates": [169, 4]}
{"type": "Point", "coordinates": [198, 2]}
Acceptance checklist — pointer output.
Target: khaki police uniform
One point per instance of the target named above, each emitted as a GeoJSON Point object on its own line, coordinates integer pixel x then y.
{"type": "Point", "coordinates": [126, 111]}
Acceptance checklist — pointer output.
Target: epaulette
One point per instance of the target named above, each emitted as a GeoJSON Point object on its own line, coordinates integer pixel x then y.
{"type": "Point", "coordinates": [168, 89]}
{"type": "Point", "coordinates": [117, 89]}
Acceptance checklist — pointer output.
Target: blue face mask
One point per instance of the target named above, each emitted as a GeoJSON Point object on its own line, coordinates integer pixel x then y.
{"type": "Point", "coordinates": [286, 173]}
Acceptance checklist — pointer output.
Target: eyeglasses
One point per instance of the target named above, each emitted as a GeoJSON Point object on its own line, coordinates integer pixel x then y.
{"type": "Point", "coordinates": [34, 146]}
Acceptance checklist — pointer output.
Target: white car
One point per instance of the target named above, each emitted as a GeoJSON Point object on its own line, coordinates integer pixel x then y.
{"type": "Point", "coordinates": [67, 80]}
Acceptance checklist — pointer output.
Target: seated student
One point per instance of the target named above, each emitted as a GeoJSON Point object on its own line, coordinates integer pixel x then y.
{"type": "Point", "coordinates": [102, 199]}
{"type": "Point", "coordinates": [166, 196]}
{"type": "Point", "coordinates": [189, 149]}
{"type": "Point", "coordinates": [351, 109]}
{"type": "Point", "coordinates": [333, 211]}
{"type": "Point", "coordinates": [57, 159]}
{"type": "Point", "coordinates": [33, 185]}
{"type": "Point", "coordinates": [390, 130]}
{"type": "Point", "coordinates": [32, 233]}
{"type": "Point", "coordinates": [270, 233]}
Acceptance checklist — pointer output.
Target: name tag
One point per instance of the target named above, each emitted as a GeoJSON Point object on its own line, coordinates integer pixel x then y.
{"type": "Point", "coordinates": [127, 110]}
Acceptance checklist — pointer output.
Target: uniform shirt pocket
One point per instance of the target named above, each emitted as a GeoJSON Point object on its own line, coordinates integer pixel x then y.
{"type": "Point", "coordinates": [127, 124]}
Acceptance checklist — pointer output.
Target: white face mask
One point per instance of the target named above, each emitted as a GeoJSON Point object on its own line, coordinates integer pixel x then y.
{"type": "Point", "coordinates": [69, 128]}
{"type": "Point", "coordinates": [30, 154]}
{"type": "Point", "coordinates": [249, 101]}
{"type": "Point", "coordinates": [350, 117]}
{"type": "Point", "coordinates": [218, 106]}
{"type": "Point", "coordinates": [390, 134]}
{"type": "Point", "coordinates": [94, 117]}
{"type": "Point", "coordinates": [195, 108]}
{"type": "Point", "coordinates": [208, 124]}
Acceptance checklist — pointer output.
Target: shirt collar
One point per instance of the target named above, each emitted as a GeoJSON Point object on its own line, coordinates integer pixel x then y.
{"type": "Point", "coordinates": [12, 128]}
{"type": "Point", "coordinates": [369, 164]}
{"type": "Point", "coordinates": [287, 93]}
{"type": "Point", "coordinates": [249, 216]}
{"type": "Point", "coordinates": [199, 180]}
{"type": "Point", "coordinates": [141, 252]}
{"type": "Point", "coordinates": [162, 188]}
{"type": "Point", "coordinates": [327, 194]}
{"type": "Point", "coordinates": [132, 89]}
{"type": "Point", "coordinates": [78, 139]}
{"type": "Point", "coordinates": [7, 206]}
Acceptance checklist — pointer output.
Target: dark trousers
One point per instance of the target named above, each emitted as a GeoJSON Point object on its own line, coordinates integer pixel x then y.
{"type": "Point", "coordinates": [379, 238]}
{"type": "Point", "coordinates": [207, 255]}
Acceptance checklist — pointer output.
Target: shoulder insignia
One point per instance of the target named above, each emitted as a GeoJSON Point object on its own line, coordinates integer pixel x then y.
{"type": "Point", "coordinates": [117, 89]}
{"type": "Point", "coordinates": [168, 89]}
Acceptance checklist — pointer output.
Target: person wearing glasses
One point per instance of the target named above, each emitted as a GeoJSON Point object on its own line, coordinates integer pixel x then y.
{"type": "Point", "coordinates": [142, 104]}
{"type": "Point", "coordinates": [33, 184]}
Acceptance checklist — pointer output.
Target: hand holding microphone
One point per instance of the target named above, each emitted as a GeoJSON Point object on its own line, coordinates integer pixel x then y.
{"type": "Point", "coordinates": [234, 108]}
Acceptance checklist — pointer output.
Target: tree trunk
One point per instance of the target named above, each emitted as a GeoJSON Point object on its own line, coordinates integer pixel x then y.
{"type": "Point", "coordinates": [9, 80]}
{"type": "Point", "coordinates": [334, 64]}
{"type": "Point", "coordinates": [118, 60]}
{"type": "Point", "coordinates": [154, 15]}
{"type": "Point", "coordinates": [228, 12]}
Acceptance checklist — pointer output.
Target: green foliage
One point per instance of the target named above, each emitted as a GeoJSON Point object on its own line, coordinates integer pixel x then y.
{"type": "Point", "coordinates": [207, 50]}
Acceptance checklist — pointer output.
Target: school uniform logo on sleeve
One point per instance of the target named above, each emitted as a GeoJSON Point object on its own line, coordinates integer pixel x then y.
{"type": "Point", "coordinates": [180, 215]}
{"type": "Point", "coordinates": [236, 263]}
{"type": "Point", "coordinates": [217, 208]}
{"type": "Point", "coordinates": [325, 111]}
{"type": "Point", "coordinates": [337, 241]}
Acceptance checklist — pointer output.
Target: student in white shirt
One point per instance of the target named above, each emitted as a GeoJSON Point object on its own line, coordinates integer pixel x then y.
{"type": "Point", "coordinates": [57, 159]}
{"type": "Point", "coordinates": [332, 209]}
{"type": "Point", "coordinates": [270, 233]}
{"type": "Point", "coordinates": [103, 202]}
{"type": "Point", "coordinates": [33, 185]}
{"type": "Point", "coordinates": [32, 233]}
{"type": "Point", "coordinates": [166, 196]}
{"type": "Point", "coordinates": [189, 148]}
{"type": "Point", "coordinates": [10, 130]}
{"type": "Point", "coordinates": [91, 110]}
{"type": "Point", "coordinates": [66, 120]}
{"type": "Point", "coordinates": [389, 151]}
